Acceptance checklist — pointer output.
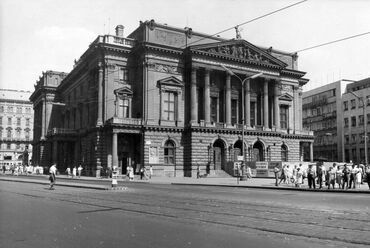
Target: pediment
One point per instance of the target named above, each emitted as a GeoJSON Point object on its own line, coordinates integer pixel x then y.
{"type": "Point", "coordinates": [125, 90]}
{"type": "Point", "coordinates": [241, 50]}
{"type": "Point", "coordinates": [171, 81]}
{"type": "Point", "coordinates": [286, 97]}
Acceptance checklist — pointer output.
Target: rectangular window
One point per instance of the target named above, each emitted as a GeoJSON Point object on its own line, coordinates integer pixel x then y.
{"type": "Point", "coordinates": [353, 121]}
{"type": "Point", "coordinates": [19, 110]}
{"type": "Point", "coordinates": [353, 138]}
{"type": "Point", "coordinates": [353, 104]}
{"type": "Point", "coordinates": [18, 121]}
{"type": "Point", "coordinates": [284, 116]}
{"type": "Point", "coordinates": [123, 74]}
{"type": "Point", "coordinates": [367, 100]}
{"type": "Point", "coordinates": [354, 155]}
{"type": "Point", "coordinates": [1, 109]}
{"type": "Point", "coordinates": [361, 120]}
{"type": "Point", "coordinates": [346, 138]}
{"type": "Point", "coordinates": [333, 92]}
{"type": "Point", "coordinates": [213, 109]}
{"type": "Point", "coordinates": [253, 114]}
{"type": "Point", "coordinates": [28, 110]}
{"type": "Point", "coordinates": [1, 120]}
{"type": "Point", "coordinates": [345, 105]}
{"type": "Point", "coordinates": [9, 121]}
{"type": "Point", "coordinates": [10, 109]}
{"type": "Point", "coordinates": [345, 122]}
{"type": "Point", "coordinates": [8, 146]}
{"type": "Point", "coordinates": [168, 106]}
{"type": "Point", "coordinates": [361, 102]}
{"type": "Point", "coordinates": [234, 116]}
{"type": "Point", "coordinates": [9, 134]}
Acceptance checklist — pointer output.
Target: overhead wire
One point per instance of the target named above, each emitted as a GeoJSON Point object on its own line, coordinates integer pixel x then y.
{"type": "Point", "coordinates": [246, 22]}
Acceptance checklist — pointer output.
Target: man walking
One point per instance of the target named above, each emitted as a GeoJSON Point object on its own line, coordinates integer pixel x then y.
{"type": "Point", "coordinates": [52, 177]}
{"type": "Point", "coordinates": [276, 172]}
{"type": "Point", "coordinates": [311, 174]}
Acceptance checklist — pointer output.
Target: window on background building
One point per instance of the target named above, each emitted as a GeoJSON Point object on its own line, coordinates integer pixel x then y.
{"type": "Point", "coordinates": [125, 108]}
{"type": "Point", "coordinates": [169, 152]}
{"type": "Point", "coordinates": [27, 122]}
{"type": "Point", "coordinates": [314, 112]}
{"type": "Point", "coordinates": [284, 153]}
{"type": "Point", "coordinates": [353, 103]}
{"type": "Point", "coordinates": [18, 121]}
{"type": "Point", "coordinates": [354, 155]}
{"type": "Point", "coordinates": [360, 120]}
{"type": "Point", "coordinates": [345, 105]}
{"type": "Point", "coordinates": [353, 121]}
{"type": "Point", "coordinates": [18, 146]}
{"type": "Point", "coordinates": [9, 121]}
{"type": "Point", "coordinates": [27, 134]}
{"type": "Point", "coordinates": [10, 109]}
{"type": "Point", "coordinates": [345, 122]}
{"type": "Point", "coordinates": [353, 138]}
{"type": "Point", "coordinates": [333, 92]}
{"type": "Point", "coordinates": [284, 116]}
{"type": "Point", "coordinates": [8, 146]}
{"type": "Point", "coordinates": [253, 114]}
{"type": "Point", "coordinates": [1, 109]}
{"type": "Point", "coordinates": [19, 110]}
{"type": "Point", "coordinates": [1, 120]}
{"type": "Point", "coordinates": [318, 111]}
{"type": "Point", "coordinates": [169, 106]}
{"type": "Point", "coordinates": [28, 110]}
{"type": "Point", "coordinates": [18, 133]}
{"type": "Point", "coordinates": [360, 102]}
{"type": "Point", "coordinates": [367, 100]}
{"type": "Point", "coordinates": [346, 139]}
{"type": "Point", "coordinates": [368, 118]}
{"type": "Point", "coordinates": [9, 134]}
{"type": "Point", "coordinates": [213, 109]}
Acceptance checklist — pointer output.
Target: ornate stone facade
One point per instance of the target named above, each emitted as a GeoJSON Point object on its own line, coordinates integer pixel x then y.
{"type": "Point", "coordinates": [172, 99]}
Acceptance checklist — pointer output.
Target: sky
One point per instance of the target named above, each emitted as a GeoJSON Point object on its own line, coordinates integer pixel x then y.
{"type": "Point", "coordinates": [40, 35]}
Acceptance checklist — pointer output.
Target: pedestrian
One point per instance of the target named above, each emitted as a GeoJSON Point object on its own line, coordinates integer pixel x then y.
{"type": "Point", "coordinates": [352, 178]}
{"type": "Point", "coordinates": [141, 173]}
{"type": "Point", "coordinates": [52, 176]}
{"type": "Point", "coordinates": [131, 173]}
{"type": "Point", "coordinates": [362, 167]}
{"type": "Point", "coordinates": [339, 177]}
{"type": "Point", "coordinates": [150, 172]}
{"type": "Point", "coordinates": [304, 172]}
{"type": "Point", "coordinates": [299, 178]}
{"type": "Point", "coordinates": [68, 170]}
{"type": "Point", "coordinates": [74, 172]}
{"type": "Point", "coordinates": [367, 173]}
{"type": "Point", "coordinates": [282, 176]}
{"type": "Point", "coordinates": [249, 172]}
{"type": "Point", "coordinates": [4, 169]}
{"type": "Point", "coordinates": [79, 170]}
{"type": "Point", "coordinates": [321, 174]}
{"type": "Point", "coordinates": [294, 174]}
{"type": "Point", "coordinates": [346, 172]}
{"type": "Point", "coordinates": [359, 176]}
{"type": "Point", "coordinates": [311, 175]}
{"type": "Point", "coordinates": [198, 171]}
{"type": "Point", "coordinates": [276, 172]}
{"type": "Point", "coordinates": [331, 177]}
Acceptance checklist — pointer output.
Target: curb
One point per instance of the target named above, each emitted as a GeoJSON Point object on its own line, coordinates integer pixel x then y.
{"type": "Point", "coordinates": [86, 186]}
{"type": "Point", "coordinates": [276, 188]}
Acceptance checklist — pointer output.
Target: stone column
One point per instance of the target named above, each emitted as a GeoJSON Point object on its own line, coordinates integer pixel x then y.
{"type": "Point", "coordinates": [311, 152]}
{"type": "Point", "coordinates": [228, 99]}
{"type": "Point", "coordinates": [193, 97]}
{"type": "Point", "coordinates": [207, 99]}
{"type": "Point", "coordinates": [247, 103]}
{"type": "Point", "coordinates": [265, 104]}
{"type": "Point", "coordinates": [276, 106]}
{"type": "Point", "coordinates": [114, 150]}
{"type": "Point", "coordinates": [99, 121]}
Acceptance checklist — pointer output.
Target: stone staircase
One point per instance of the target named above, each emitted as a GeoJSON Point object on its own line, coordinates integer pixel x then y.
{"type": "Point", "coordinates": [218, 174]}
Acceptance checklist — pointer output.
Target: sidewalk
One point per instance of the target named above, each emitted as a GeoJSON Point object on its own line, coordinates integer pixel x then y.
{"type": "Point", "coordinates": [105, 183]}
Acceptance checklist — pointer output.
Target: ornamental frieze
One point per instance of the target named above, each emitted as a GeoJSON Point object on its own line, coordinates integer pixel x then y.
{"type": "Point", "coordinates": [240, 52]}
{"type": "Point", "coordinates": [164, 68]}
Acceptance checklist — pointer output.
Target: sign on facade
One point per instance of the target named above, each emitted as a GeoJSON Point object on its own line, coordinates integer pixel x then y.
{"type": "Point", "coordinates": [153, 155]}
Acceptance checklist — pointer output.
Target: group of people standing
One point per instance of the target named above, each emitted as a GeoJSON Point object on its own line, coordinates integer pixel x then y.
{"type": "Point", "coordinates": [76, 171]}
{"type": "Point", "coordinates": [346, 177]}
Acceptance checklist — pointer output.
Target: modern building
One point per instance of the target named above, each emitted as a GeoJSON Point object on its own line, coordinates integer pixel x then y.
{"type": "Point", "coordinates": [172, 98]}
{"type": "Point", "coordinates": [16, 127]}
{"type": "Point", "coordinates": [322, 113]}
{"type": "Point", "coordinates": [356, 121]}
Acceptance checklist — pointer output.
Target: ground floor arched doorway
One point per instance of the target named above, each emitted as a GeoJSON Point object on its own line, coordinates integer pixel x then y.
{"type": "Point", "coordinates": [258, 151]}
{"type": "Point", "coordinates": [219, 155]}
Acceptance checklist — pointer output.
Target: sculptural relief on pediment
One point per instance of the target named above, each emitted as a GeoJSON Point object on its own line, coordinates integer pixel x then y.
{"type": "Point", "coordinates": [239, 51]}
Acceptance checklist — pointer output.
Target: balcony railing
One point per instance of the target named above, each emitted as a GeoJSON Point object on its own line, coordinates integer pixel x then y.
{"type": "Point", "coordinates": [115, 40]}
{"type": "Point", "coordinates": [126, 121]}
{"type": "Point", "coordinates": [62, 131]}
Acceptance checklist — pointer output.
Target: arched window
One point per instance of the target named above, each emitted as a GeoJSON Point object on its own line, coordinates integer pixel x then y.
{"type": "Point", "coordinates": [284, 153]}
{"type": "Point", "coordinates": [169, 152]}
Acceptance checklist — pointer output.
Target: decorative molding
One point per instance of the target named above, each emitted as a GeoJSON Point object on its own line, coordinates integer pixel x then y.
{"type": "Point", "coordinates": [164, 68]}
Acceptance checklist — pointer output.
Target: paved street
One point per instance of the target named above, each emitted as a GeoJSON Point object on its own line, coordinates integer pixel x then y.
{"type": "Point", "coordinates": [162, 215]}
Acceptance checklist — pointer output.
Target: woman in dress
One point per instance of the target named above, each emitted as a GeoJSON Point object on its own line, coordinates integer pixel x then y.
{"type": "Point", "coordinates": [299, 178]}
{"type": "Point", "coordinates": [359, 176]}
{"type": "Point", "coordinates": [331, 177]}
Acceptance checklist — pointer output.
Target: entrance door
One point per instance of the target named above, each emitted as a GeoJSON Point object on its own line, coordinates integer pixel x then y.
{"type": "Point", "coordinates": [217, 157]}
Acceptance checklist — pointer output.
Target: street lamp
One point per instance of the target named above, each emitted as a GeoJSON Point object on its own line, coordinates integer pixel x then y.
{"type": "Point", "coordinates": [365, 122]}
{"type": "Point", "coordinates": [242, 81]}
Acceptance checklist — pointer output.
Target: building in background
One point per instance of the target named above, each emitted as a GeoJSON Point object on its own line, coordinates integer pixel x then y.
{"type": "Point", "coordinates": [356, 111]}
{"type": "Point", "coordinates": [160, 97]}
{"type": "Point", "coordinates": [16, 127]}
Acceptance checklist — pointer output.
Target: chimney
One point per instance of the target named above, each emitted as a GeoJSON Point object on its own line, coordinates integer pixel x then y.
{"type": "Point", "coordinates": [119, 30]}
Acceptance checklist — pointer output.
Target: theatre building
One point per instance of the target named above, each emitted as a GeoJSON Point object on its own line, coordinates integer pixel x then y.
{"type": "Point", "coordinates": [173, 98]}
